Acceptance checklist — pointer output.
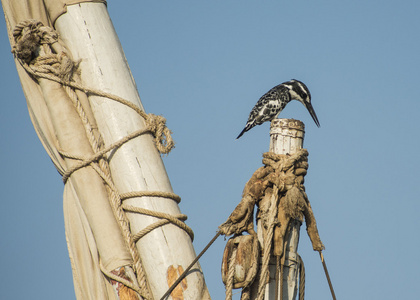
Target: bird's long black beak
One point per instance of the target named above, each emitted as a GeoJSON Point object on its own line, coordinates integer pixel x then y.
{"type": "Point", "coordinates": [312, 112]}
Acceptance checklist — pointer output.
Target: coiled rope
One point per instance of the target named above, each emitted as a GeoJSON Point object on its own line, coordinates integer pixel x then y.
{"type": "Point", "coordinates": [278, 190]}
{"type": "Point", "coordinates": [302, 278]}
{"type": "Point", "coordinates": [231, 273]}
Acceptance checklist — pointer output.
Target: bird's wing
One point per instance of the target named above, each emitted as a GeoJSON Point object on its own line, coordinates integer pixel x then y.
{"type": "Point", "coordinates": [269, 105]}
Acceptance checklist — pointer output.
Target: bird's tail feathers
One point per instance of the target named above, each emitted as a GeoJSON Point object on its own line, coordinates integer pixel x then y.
{"type": "Point", "coordinates": [247, 127]}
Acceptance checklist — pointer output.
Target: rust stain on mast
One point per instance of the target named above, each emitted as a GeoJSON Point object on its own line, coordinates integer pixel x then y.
{"type": "Point", "coordinates": [172, 275]}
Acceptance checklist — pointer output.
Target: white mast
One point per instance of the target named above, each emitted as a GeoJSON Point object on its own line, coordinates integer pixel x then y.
{"type": "Point", "coordinates": [88, 32]}
{"type": "Point", "coordinates": [136, 166]}
{"type": "Point", "coordinates": [286, 137]}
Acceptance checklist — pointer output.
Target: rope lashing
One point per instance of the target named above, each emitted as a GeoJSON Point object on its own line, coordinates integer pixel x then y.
{"type": "Point", "coordinates": [85, 161]}
{"type": "Point", "coordinates": [174, 219]}
{"type": "Point", "coordinates": [38, 50]}
{"type": "Point", "coordinates": [277, 188]}
{"type": "Point", "coordinates": [172, 196]}
{"type": "Point", "coordinates": [58, 67]}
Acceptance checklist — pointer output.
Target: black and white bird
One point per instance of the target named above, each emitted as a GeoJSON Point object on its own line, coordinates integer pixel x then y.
{"type": "Point", "coordinates": [274, 101]}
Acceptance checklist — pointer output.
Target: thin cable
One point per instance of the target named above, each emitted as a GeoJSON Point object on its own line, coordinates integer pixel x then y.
{"type": "Point", "coordinates": [183, 275]}
{"type": "Point", "coordinates": [326, 274]}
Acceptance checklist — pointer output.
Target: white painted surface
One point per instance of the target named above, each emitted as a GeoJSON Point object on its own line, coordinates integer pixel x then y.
{"type": "Point", "coordinates": [88, 32]}
{"type": "Point", "coordinates": [285, 138]}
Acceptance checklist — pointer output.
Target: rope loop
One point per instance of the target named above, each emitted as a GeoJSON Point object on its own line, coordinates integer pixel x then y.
{"type": "Point", "coordinates": [163, 139]}
{"type": "Point", "coordinates": [29, 35]}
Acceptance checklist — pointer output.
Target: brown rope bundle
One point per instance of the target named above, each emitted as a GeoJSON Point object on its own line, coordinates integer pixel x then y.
{"type": "Point", "coordinates": [27, 39]}
{"type": "Point", "coordinates": [278, 191]}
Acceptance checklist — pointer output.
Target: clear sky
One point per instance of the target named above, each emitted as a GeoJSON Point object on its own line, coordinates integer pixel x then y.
{"type": "Point", "coordinates": [203, 65]}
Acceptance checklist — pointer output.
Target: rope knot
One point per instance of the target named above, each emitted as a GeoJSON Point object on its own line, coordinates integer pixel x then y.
{"type": "Point", "coordinates": [163, 139]}
{"type": "Point", "coordinates": [47, 35]}
{"type": "Point", "coordinates": [29, 35]}
{"type": "Point", "coordinates": [27, 39]}
{"type": "Point", "coordinates": [59, 65]}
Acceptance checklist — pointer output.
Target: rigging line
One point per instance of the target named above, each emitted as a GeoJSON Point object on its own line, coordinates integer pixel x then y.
{"type": "Point", "coordinates": [327, 275]}
{"type": "Point", "coordinates": [184, 274]}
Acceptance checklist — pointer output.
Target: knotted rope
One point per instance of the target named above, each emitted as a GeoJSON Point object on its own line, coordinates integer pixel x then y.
{"type": "Point", "coordinates": [60, 68]}
{"type": "Point", "coordinates": [36, 50]}
{"type": "Point", "coordinates": [277, 188]}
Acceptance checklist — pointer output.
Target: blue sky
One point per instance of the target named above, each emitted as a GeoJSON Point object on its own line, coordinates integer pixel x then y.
{"type": "Point", "coordinates": [203, 65]}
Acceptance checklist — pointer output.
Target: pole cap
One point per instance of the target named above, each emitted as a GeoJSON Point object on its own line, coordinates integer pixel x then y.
{"type": "Point", "coordinates": [288, 127]}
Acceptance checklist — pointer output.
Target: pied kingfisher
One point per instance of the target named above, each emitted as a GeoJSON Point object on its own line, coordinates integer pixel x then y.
{"type": "Point", "coordinates": [272, 103]}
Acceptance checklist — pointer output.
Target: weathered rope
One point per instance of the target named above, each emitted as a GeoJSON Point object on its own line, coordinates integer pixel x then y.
{"type": "Point", "coordinates": [102, 168]}
{"type": "Point", "coordinates": [172, 196]}
{"type": "Point", "coordinates": [98, 155]}
{"type": "Point", "coordinates": [302, 278]}
{"type": "Point", "coordinates": [28, 36]}
{"type": "Point", "coordinates": [27, 40]}
{"type": "Point", "coordinates": [174, 219]}
{"type": "Point", "coordinates": [149, 228]}
{"type": "Point", "coordinates": [270, 223]}
{"type": "Point", "coordinates": [58, 67]}
{"type": "Point", "coordinates": [231, 274]}
{"type": "Point", "coordinates": [156, 125]}
{"type": "Point", "coordinates": [277, 188]}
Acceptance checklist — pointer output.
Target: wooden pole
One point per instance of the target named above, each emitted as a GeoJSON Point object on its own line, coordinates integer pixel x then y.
{"type": "Point", "coordinates": [88, 32]}
{"type": "Point", "coordinates": [286, 137]}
